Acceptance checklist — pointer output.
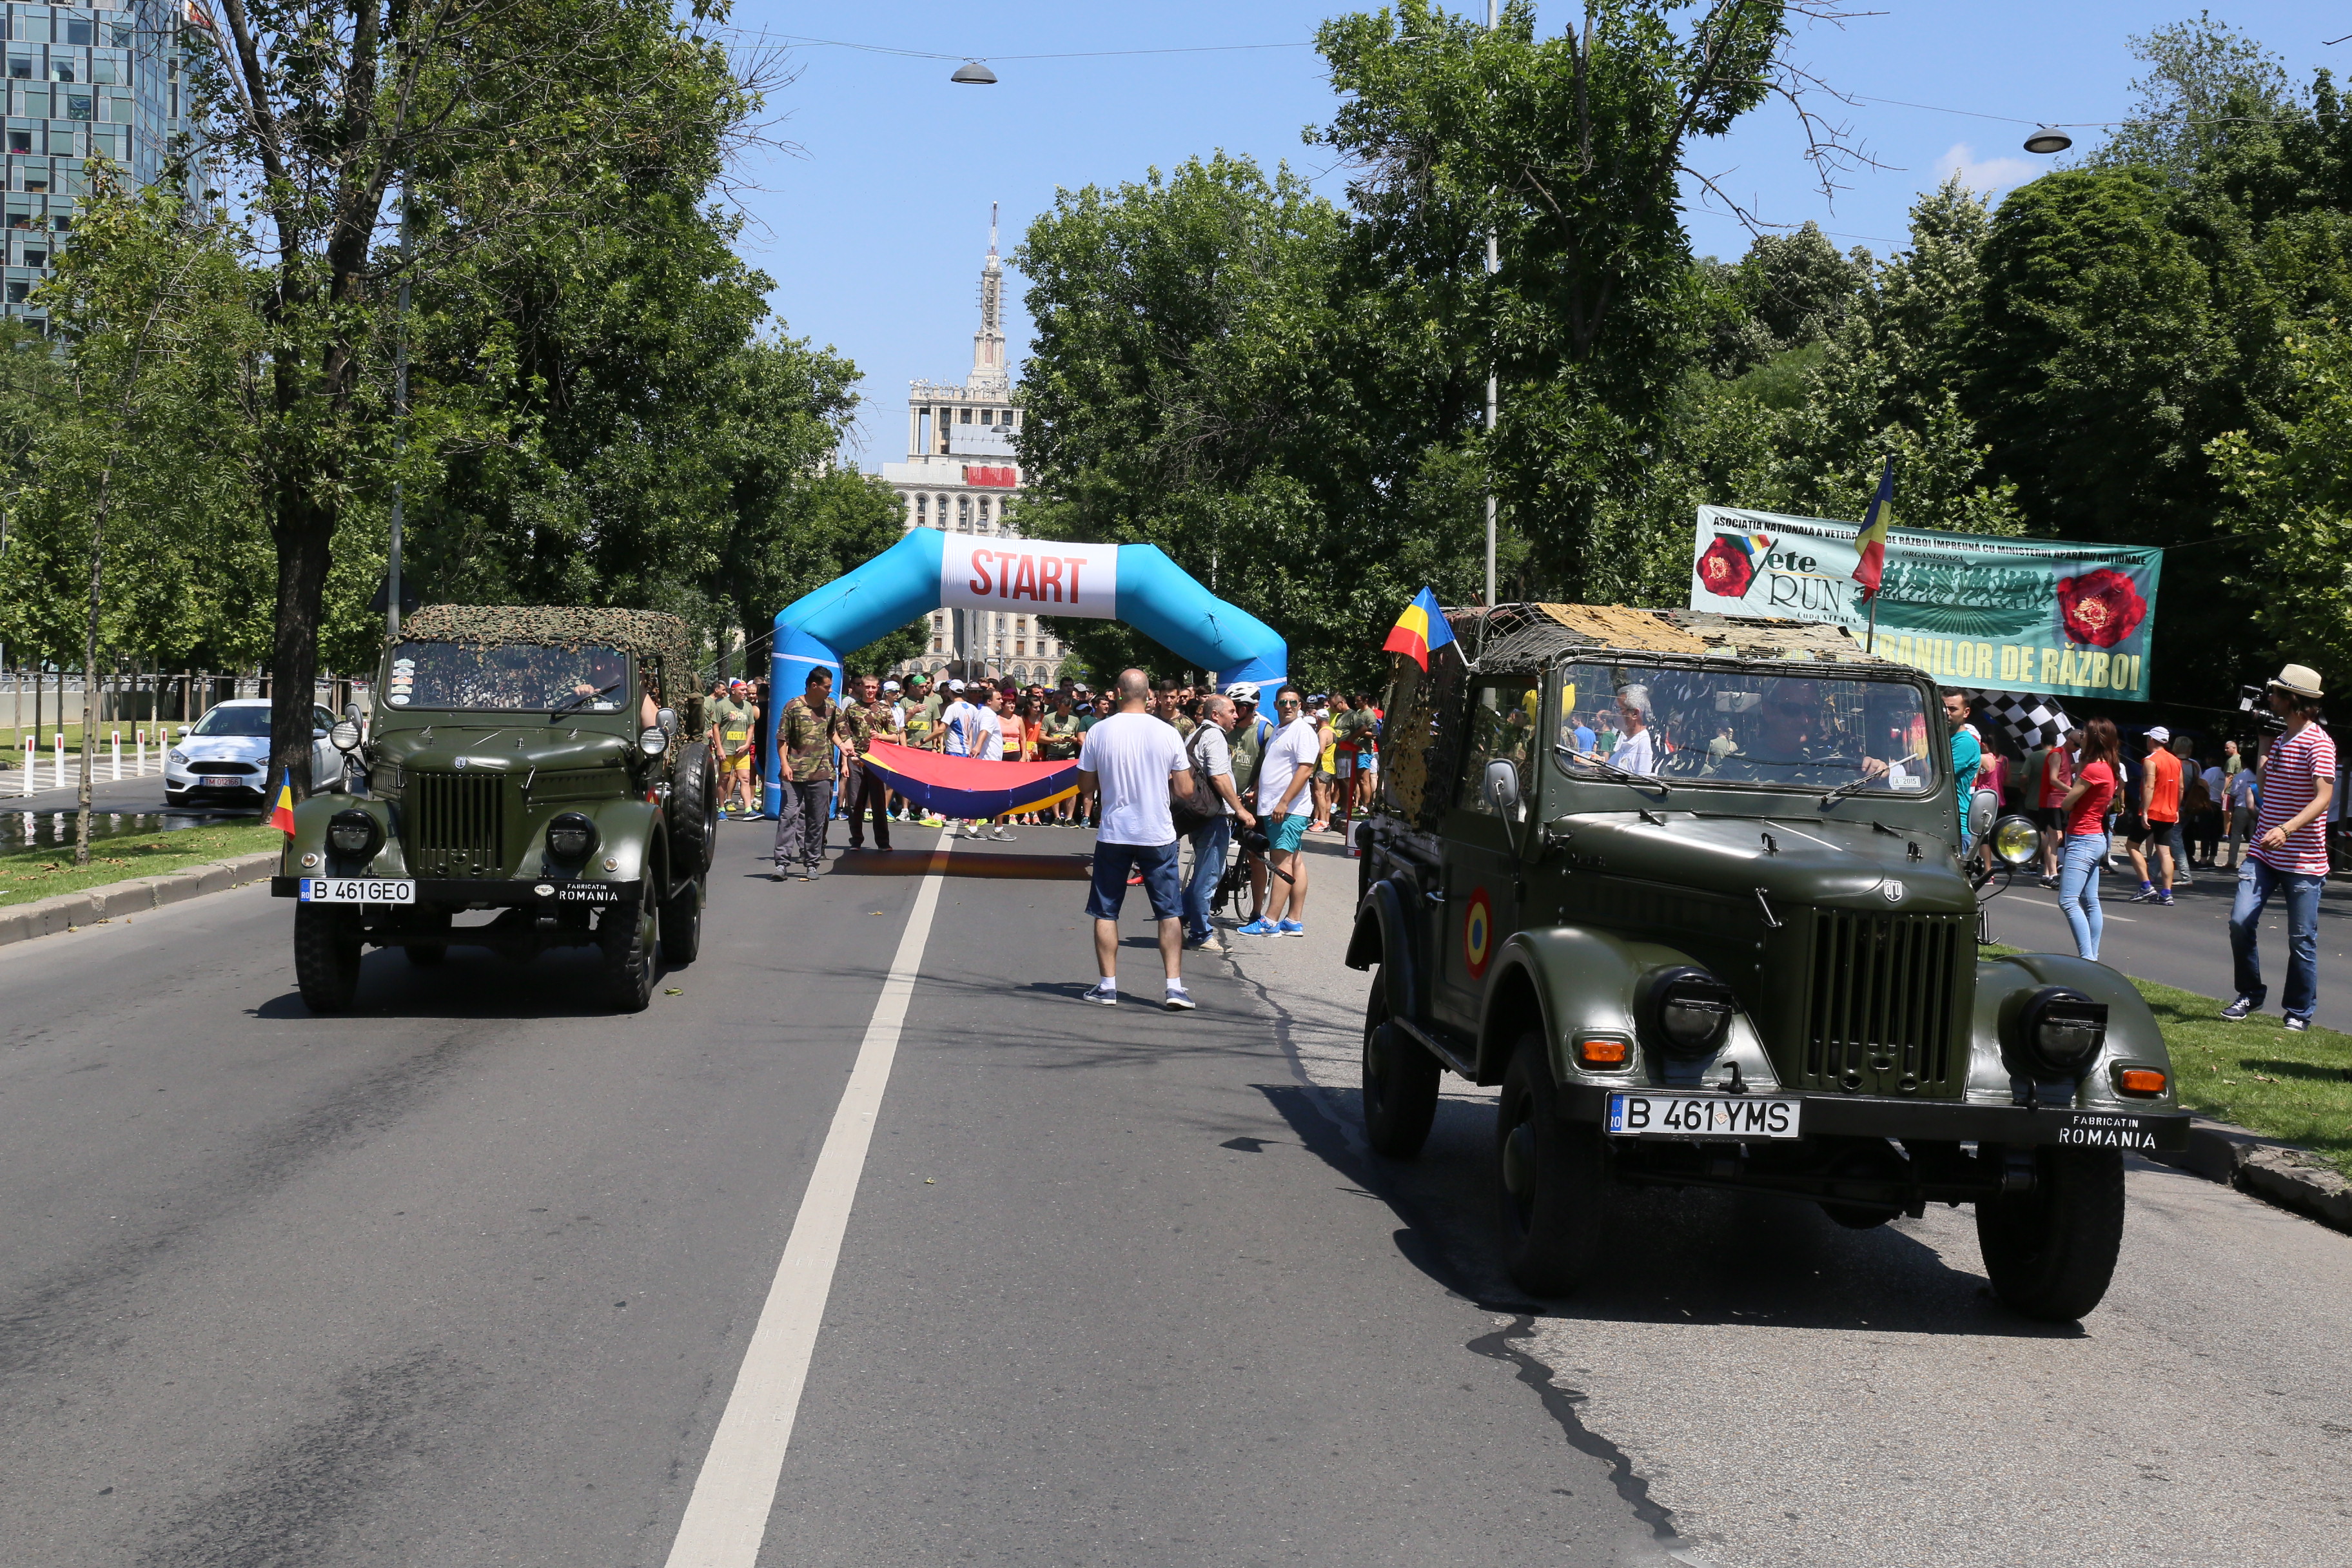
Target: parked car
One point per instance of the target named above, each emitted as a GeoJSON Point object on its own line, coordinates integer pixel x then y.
{"type": "Point", "coordinates": [224, 757]}
{"type": "Point", "coordinates": [1738, 951]}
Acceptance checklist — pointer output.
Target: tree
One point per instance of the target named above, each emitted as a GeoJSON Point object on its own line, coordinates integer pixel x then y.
{"type": "Point", "coordinates": [2208, 89]}
{"type": "Point", "coordinates": [1572, 152]}
{"type": "Point", "coordinates": [151, 305]}
{"type": "Point", "coordinates": [494, 118]}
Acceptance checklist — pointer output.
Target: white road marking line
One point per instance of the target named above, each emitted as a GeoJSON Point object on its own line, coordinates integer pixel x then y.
{"type": "Point", "coordinates": [728, 1514]}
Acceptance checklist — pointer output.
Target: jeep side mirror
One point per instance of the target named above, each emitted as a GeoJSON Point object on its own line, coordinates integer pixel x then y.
{"type": "Point", "coordinates": [1502, 788]}
{"type": "Point", "coordinates": [668, 719]}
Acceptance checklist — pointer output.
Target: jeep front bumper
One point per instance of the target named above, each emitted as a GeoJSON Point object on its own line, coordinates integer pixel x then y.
{"type": "Point", "coordinates": [1955, 1121]}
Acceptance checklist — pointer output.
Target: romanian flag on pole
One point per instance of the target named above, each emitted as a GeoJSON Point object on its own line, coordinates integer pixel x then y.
{"type": "Point", "coordinates": [1871, 542]}
{"type": "Point", "coordinates": [1421, 631]}
{"type": "Point", "coordinates": [281, 816]}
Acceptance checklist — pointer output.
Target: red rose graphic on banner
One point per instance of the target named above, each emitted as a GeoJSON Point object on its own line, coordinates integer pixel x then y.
{"type": "Point", "coordinates": [2100, 607]}
{"type": "Point", "coordinates": [1725, 568]}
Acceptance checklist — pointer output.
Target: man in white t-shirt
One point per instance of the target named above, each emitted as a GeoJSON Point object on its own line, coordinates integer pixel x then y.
{"type": "Point", "coordinates": [1283, 781]}
{"type": "Point", "coordinates": [1132, 761]}
{"type": "Point", "coordinates": [990, 749]}
{"type": "Point", "coordinates": [960, 724]}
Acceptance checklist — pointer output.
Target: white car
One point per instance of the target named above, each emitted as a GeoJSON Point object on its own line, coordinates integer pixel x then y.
{"type": "Point", "coordinates": [226, 757]}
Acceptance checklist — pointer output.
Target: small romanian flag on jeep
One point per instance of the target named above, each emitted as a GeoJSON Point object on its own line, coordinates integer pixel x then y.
{"type": "Point", "coordinates": [281, 816]}
{"type": "Point", "coordinates": [1421, 631]}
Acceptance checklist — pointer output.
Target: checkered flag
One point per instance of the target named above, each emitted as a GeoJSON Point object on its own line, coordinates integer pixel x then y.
{"type": "Point", "coordinates": [2034, 718]}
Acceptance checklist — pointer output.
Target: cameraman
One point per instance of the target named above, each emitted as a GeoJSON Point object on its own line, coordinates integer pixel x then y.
{"type": "Point", "coordinates": [2290, 851]}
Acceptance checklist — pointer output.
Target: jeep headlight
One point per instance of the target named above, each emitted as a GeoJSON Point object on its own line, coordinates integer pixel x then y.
{"type": "Point", "coordinates": [355, 834]}
{"type": "Point", "coordinates": [1692, 1011]}
{"type": "Point", "coordinates": [653, 741]}
{"type": "Point", "coordinates": [2016, 840]}
{"type": "Point", "coordinates": [2062, 1031]}
{"type": "Point", "coordinates": [570, 837]}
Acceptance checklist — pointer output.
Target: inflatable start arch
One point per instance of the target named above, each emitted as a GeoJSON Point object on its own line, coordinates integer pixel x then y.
{"type": "Point", "coordinates": [928, 570]}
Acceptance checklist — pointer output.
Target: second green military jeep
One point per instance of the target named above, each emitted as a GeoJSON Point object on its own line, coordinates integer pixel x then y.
{"type": "Point", "coordinates": [1688, 888]}
{"type": "Point", "coordinates": [549, 764]}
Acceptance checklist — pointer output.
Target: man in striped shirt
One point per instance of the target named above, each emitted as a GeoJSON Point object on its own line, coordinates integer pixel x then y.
{"type": "Point", "coordinates": [2290, 851]}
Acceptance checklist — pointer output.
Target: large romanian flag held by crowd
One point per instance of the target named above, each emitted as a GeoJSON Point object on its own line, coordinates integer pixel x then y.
{"type": "Point", "coordinates": [967, 787]}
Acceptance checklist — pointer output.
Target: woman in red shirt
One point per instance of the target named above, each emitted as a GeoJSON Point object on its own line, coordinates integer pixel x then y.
{"type": "Point", "coordinates": [2085, 808]}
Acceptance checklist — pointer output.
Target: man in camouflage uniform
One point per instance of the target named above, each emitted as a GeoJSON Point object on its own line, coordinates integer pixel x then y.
{"type": "Point", "coordinates": [863, 723]}
{"type": "Point", "coordinates": [805, 732]}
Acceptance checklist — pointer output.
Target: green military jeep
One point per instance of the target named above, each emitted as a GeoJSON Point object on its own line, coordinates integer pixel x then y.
{"type": "Point", "coordinates": [549, 764]}
{"type": "Point", "coordinates": [1732, 946]}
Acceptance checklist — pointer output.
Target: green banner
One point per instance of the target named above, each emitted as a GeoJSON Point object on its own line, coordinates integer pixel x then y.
{"type": "Point", "coordinates": [2011, 615]}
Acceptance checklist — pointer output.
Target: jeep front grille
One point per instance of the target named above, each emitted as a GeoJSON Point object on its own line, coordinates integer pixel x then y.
{"type": "Point", "coordinates": [1881, 1006]}
{"type": "Point", "coordinates": [454, 825]}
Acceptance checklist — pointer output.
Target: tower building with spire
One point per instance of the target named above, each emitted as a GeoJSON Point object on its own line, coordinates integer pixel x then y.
{"type": "Point", "coordinates": [961, 475]}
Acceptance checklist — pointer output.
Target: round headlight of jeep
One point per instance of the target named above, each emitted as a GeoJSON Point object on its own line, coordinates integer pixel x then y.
{"type": "Point", "coordinates": [2016, 840]}
{"type": "Point", "coordinates": [570, 837]}
{"type": "Point", "coordinates": [653, 741]}
{"type": "Point", "coordinates": [1692, 1011]}
{"type": "Point", "coordinates": [345, 734]}
{"type": "Point", "coordinates": [2062, 1030]}
{"type": "Point", "coordinates": [354, 834]}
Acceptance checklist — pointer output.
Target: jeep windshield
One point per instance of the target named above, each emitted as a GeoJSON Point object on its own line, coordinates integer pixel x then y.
{"type": "Point", "coordinates": [1736, 729]}
{"type": "Point", "coordinates": [508, 678]}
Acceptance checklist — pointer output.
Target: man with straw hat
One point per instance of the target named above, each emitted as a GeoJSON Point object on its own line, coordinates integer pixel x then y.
{"type": "Point", "coordinates": [2290, 851]}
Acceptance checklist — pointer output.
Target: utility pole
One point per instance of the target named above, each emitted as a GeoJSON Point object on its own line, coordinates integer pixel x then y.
{"type": "Point", "coordinates": [400, 424]}
{"type": "Point", "coordinates": [1494, 265]}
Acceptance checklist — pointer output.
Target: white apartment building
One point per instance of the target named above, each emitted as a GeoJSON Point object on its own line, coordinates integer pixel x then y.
{"type": "Point", "coordinates": [959, 474]}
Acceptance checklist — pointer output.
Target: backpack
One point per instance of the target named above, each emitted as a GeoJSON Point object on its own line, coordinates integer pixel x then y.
{"type": "Point", "coordinates": [1188, 820]}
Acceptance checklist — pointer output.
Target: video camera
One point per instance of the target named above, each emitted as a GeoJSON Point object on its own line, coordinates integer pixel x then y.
{"type": "Point", "coordinates": [2254, 702]}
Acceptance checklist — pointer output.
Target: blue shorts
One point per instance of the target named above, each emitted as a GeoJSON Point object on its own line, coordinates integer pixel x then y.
{"type": "Point", "coordinates": [1288, 834]}
{"type": "Point", "coordinates": [1158, 864]}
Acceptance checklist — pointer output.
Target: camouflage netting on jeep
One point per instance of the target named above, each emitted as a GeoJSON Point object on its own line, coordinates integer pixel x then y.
{"type": "Point", "coordinates": [661, 642]}
{"type": "Point", "coordinates": [1527, 637]}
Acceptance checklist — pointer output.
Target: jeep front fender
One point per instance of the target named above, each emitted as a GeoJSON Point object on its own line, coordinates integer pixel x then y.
{"type": "Point", "coordinates": [1578, 982]}
{"type": "Point", "coordinates": [628, 830]}
{"type": "Point", "coordinates": [309, 837]}
{"type": "Point", "coordinates": [1382, 936]}
{"type": "Point", "coordinates": [2004, 985]}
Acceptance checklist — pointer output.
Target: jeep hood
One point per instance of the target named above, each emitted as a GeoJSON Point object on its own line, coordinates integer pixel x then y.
{"type": "Point", "coordinates": [502, 747]}
{"type": "Point", "coordinates": [1835, 864]}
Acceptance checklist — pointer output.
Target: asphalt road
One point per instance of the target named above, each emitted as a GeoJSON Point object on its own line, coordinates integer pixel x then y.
{"type": "Point", "coordinates": [469, 1277]}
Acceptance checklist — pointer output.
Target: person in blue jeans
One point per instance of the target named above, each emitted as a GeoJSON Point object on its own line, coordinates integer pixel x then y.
{"type": "Point", "coordinates": [2083, 849]}
{"type": "Point", "coordinates": [2290, 852]}
{"type": "Point", "coordinates": [1212, 754]}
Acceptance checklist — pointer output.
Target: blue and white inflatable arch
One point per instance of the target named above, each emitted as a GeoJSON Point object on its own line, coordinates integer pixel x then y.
{"type": "Point", "coordinates": [929, 569]}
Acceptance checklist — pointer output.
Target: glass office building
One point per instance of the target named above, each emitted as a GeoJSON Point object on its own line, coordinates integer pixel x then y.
{"type": "Point", "coordinates": [84, 81]}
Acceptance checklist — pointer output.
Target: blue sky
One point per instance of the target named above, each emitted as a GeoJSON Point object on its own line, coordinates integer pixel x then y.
{"type": "Point", "coordinates": [874, 231]}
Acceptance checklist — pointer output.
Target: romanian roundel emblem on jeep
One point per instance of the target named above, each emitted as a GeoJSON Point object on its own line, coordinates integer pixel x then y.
{"type": "Point", "coordinates": [1478, 935]}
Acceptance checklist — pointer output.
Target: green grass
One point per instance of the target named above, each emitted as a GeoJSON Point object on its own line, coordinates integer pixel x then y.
{"type": "Point", "coordinates": [39, 872]}
{"type": "Point", "coordinates": [2255, 1075]}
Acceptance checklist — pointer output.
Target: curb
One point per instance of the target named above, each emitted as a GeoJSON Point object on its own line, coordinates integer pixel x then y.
{"type": "Point", "coordinates": [136, 895]}
{"type": "Point", "coordinates": [2277, 1173]}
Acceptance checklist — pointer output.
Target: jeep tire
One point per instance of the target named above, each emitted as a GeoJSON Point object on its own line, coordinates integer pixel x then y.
{"type": "Point", "coordinates": [1553, 1174]}
{"type": "Point", "coordinates": [1399, 1082]}
{"type": "Point", "coordinates": [2051, 1252]}
{"type": "Point", "coordinates": [624, 939]}
{"type": "Point", "coordinates": [326, 956]}
{"type": "Point", "coordinates": [693, 815]}
{"type": "Point", "coordinates": [681, 925]}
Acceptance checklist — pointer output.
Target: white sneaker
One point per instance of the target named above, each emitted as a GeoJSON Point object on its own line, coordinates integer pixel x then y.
{"type": "Point", "coordinates": [999, 836]}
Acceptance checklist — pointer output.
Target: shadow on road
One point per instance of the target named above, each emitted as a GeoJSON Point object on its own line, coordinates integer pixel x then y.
{"type": "Point", "coordinates": [1670, 1256]}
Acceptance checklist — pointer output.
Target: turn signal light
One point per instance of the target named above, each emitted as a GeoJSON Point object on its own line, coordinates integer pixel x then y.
{"type": "Point", "coordinates": [1602, 1053]}
{"type": "Point", "coordinates": [2140, 1081]}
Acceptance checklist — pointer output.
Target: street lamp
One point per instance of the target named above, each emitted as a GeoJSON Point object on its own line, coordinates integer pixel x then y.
{"type": "Point", "coordinates": [972, 73]}
{"type": "Point", "coordinates": [2047, 140]}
